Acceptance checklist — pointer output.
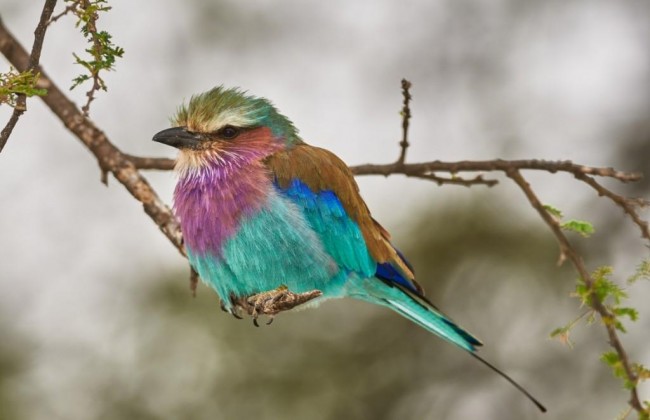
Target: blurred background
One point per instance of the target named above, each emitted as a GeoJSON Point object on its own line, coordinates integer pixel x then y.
{"type": "Point", "coordinates": [96, 318]}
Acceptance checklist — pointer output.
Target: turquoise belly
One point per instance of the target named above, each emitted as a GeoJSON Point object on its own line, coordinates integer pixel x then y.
{"type": "Point", "coordinates": [274, 247]}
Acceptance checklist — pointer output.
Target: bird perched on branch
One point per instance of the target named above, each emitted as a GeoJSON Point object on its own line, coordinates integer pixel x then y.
{"type": "Point", "coordinates": [271, 223]}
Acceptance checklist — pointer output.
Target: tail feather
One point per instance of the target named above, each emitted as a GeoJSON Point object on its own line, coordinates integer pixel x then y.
{"type": "Point", "coordinates": [415, 308]}
{"type": "Point", "coordinates": [422, 312]}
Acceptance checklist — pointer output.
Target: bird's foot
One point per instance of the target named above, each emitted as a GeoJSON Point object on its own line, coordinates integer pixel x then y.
{"type": "Point", "coordinates": [234, 310]}
{"type": "Point", "coordinates": [273, 302]}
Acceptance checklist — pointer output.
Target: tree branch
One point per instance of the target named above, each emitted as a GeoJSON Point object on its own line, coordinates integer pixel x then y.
{"type": "Point", "coordinates": [162, 164]}
{"type": "Point", "coordinates": [125, 169]}
{"type": "Point", "coordinates": [406, 116]}
{"type": "Point", "coordinates": [414, 169]}
{"type": "Point", "coordinates": [567, 252]}
{"type": "Point", "coordinates": [628, 205]}
{"type": "Point", "coordinates": [32, 64]}
{"type": "Point", "coordinates": [427, 171]}
{"type": "Point", "coordinates": [69, 8]}
{"type": "Point", "coordinates": [109, 157]}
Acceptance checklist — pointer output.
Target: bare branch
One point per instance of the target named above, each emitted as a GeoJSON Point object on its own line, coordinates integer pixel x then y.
{"type": "Point", "coordinates": [109, 157]}
{"type": "Point", "coordinates": [425, 169]}
{"type": "Point", "coordinates": [568, 252]}
{"type": "Point", "coordinates": [406, 116]}
{"type": "Point", "coordinates": [628, 205]}
{"type": "Point", "coordinates": [65, 11]}
{"type": "Point", "coordinates": [162, 164]}
{"type": "Point", "coordinates": [32, 64]}
{"type": "Point", "coordinates": [493, 165]}
{"type": "Point", "coordinates": [456, 180]}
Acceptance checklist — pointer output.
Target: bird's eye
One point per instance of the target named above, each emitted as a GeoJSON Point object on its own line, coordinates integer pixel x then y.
{"type": "Point", "coordinates": [229, 132]}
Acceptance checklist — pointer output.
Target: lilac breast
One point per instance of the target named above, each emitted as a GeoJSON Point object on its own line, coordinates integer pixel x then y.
{"type": "Point", "coordinates": [212, 203]}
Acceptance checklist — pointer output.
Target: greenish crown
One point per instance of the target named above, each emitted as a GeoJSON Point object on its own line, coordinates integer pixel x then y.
{"type": "Point", "coordinates": [218, 107]}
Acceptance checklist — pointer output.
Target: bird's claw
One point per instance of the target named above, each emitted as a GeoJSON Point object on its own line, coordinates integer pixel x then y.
{"type": "Point", "coordinates": [272, 302]}
{"type": "Point", "coordinates": [234, 309]}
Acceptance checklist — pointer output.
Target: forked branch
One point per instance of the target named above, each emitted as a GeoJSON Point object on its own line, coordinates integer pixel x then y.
{"type": "Point", "coordinates": [32, 64]}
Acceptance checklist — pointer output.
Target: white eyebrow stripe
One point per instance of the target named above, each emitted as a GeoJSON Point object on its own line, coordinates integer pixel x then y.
{"type": "Point", "coordinates": [237, 118]}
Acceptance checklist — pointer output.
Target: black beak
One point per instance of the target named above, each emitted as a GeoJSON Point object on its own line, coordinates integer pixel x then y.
{"type": "Point", "coordinates": [178, 137]}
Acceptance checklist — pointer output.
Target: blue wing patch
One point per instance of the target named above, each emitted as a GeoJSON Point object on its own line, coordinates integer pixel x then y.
{"type": "Point", "coordinates": [387, 272]}
{"type": "Point", "coordinates": [340, 235]}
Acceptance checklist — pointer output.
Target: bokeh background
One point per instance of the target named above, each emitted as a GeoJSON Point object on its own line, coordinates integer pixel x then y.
{"type": "Point", "coordinates": [96, 320]}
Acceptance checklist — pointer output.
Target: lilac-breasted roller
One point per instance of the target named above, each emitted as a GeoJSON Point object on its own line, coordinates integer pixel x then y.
{"type": "Point", "coordinates": [270, 222]}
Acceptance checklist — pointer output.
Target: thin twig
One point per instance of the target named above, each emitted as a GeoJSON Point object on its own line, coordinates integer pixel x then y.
{"type": "Point", "coordinates": [627, 205]}
{"type": "Point", "coordinates": [456, 180]}
{"type": "Point", "coordinates": [32, 64]}
{"type": "Point", "coordinates": [406, 116]}
{"type": "Point", "coordinates": [108, 156]}
{"type": "Point", "coordinates": [97, 52]}
{"type": "Point", "coordinates": [65, 11]}
{"type": "Point", "coordinates": [194, 280]}
{"type": "Point", "coordinates": [567, 251]}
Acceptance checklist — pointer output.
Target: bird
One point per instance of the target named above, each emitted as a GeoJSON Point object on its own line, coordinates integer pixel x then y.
{"type": "Point", "coordinates": [272, 223]}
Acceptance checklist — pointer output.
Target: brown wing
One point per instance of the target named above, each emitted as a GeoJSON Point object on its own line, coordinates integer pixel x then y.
{"type": "Point", "coordinates": [322, 170]}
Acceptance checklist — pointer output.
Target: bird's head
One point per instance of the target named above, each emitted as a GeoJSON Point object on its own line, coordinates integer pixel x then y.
{"type": "Point", "coordinates": [226, 127]}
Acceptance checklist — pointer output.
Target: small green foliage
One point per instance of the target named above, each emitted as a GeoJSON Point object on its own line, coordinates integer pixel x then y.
{"type": "Point", "coordinates": [582, 227]}
{"type": "Point", "coordinates": [563, 333]}
{"type": "Point", "coordinates": [102, 51]}
{"type": "Point", "coordinates": [613, 360]}
{"type": "Point", "coordinates": [642, 272]}
{"type": "Point", "coordinates": [553, 211]}
{"type": "Point", "coordinates": [603, 287]}
{"type": "Point", "coordinates": [611, 296]}
{"type": "Point", "coordinates": [13, 83]}
{"type": "Point", "coordinates": [585, 229]}
{"type": "Point", "coordinates": [642, 372]}
{"type": "Point", "coordinates": [604, 290]}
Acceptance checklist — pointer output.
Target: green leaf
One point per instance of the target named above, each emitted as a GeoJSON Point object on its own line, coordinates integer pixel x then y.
{"type": "Point", "coordinates": [642, 372]}
{"type": "Point", "coordinates": [553, 211]}
{"type": "Point", "coordinates": [585, 229]}
{"type": "Point", "coordinates": [642, 272]}
{"type": "Point", "coordinates": [631, 313]}
{"type": "Point", "coordinates": [102, 52]}
{"type": "Point", "coordinates": [610, 358]}
{"type": "Point", "coordinates": [13, 83]}
{"type": "Point", "coordinates": [613, 361]}
{"type": "Point", "coordinates": [562, 334]}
